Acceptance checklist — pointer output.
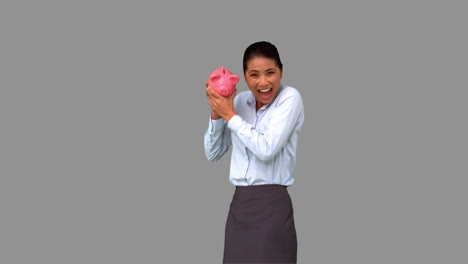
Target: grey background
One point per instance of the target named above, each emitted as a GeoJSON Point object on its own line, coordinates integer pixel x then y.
{"type": "Point", "coordinates": [103, 111]}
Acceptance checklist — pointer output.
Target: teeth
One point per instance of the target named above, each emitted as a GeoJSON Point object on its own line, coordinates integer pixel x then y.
{"type": "Point", "coordinates": [264, 91]}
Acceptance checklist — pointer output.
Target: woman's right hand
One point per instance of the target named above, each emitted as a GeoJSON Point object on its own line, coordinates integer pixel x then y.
{"type": "Point", "coordinates": [221, 107]}
{"type": "Point", "coordinates": [214, 114]}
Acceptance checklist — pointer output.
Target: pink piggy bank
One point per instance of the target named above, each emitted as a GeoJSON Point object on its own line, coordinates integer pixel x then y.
{"type": "Point", "coordinates": [223, 81]}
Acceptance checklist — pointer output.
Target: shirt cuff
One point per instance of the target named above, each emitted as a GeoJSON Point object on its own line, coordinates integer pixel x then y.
{"type": "Point", "coordinates": [235, 123]}
{"type": "Point", "coordinates": [217, 123]}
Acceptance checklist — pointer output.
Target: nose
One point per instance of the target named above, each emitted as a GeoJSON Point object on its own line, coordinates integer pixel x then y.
{"type": "Point", "coordinates": [262, 81]}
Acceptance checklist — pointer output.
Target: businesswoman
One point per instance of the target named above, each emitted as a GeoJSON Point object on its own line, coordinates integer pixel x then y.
{"type": "Point", "coordinates": [262, 125]}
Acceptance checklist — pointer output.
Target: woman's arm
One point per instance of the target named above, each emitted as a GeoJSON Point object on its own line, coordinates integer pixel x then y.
{"type": "Point", "coordinates": [267, 143]}
{"type": "Point", "coordinates": [217, 139]}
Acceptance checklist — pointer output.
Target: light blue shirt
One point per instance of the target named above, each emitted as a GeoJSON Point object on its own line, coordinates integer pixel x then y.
{"type": "Point", "coordinates": [264, 142]}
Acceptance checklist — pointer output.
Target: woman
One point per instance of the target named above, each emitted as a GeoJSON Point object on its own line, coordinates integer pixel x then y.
{"type": "Point", "coordinates": [263, 126]}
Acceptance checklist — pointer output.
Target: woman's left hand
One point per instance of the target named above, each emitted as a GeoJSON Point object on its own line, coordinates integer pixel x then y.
{"type": "Point", "coordinates": [222, 105]}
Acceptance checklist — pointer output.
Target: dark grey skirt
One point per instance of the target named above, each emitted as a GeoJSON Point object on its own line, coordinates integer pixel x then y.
{"type": "Point", "coordinates": [260, 226]}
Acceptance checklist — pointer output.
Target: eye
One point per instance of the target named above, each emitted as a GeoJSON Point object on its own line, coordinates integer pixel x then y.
{"type": "Point", "coordinates": [271, 72]}
{"type": "Point", "coordinates": [253, 75]}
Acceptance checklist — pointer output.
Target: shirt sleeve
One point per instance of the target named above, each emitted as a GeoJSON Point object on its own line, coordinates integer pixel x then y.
{"type": "Point", "coordinates": [217, 139]}
{"type": "Point", "coordinates": [266, 144]}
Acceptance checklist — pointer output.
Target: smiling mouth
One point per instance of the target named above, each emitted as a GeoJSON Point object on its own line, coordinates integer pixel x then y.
{"type": "Point", "coordinates": [265, 90]}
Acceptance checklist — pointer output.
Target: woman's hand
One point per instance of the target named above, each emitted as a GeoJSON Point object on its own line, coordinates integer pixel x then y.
{"type": "Point", "coordinates": [221, 106]}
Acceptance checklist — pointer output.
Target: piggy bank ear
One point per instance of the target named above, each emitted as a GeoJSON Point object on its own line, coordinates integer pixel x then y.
{"type": "Point", "coordinates": [234, 78]}
{"type": "Point", "coordinates": [214, 77]}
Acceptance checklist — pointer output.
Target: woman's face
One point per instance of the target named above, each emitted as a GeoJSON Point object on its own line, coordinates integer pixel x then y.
{"type": "Point", "coordinates": [263, 77]}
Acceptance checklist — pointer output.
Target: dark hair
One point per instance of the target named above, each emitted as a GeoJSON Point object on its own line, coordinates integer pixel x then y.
{"type": "Point", "coordinates": [262, 49]}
